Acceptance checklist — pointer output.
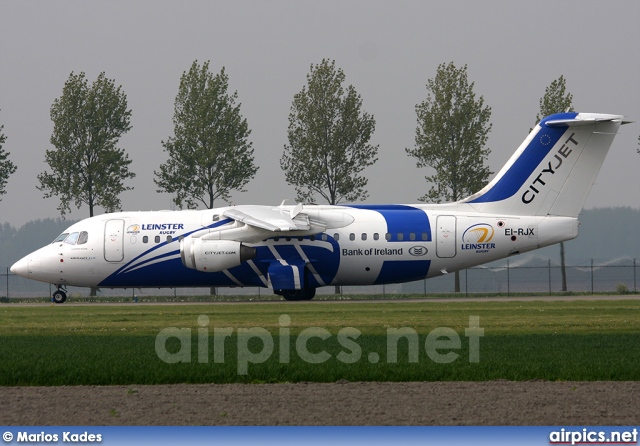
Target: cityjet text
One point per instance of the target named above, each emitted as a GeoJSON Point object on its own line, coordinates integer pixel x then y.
{"type": "Point", "coordinates": [534, 188]}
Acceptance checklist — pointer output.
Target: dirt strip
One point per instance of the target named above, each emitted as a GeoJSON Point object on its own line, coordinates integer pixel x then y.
{"type": "Point", "coordinates": [342, 403]}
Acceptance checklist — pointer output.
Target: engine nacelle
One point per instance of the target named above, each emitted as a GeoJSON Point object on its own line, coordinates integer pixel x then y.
{"type": "Point", "coordinates": [213, 255]}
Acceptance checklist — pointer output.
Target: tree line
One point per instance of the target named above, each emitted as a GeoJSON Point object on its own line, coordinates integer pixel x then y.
{"type": "Point", "coordinates": [210, 155]}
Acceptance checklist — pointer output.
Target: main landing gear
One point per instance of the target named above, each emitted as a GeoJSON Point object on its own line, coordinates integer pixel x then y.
{"type": "Point", "coordinates": [60, 295]}
{"type": "Point", "coordinates": [296, 295]}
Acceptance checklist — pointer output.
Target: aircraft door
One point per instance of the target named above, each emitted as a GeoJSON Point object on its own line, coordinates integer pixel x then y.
{"type": "Point", "coordinates": [446, 236]}
{"type": "Point", "coordinates": [114, 240]}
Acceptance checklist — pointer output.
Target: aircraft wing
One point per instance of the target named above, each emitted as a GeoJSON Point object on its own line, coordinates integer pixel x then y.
{"type": "Point", "coordinates": [276, 219]}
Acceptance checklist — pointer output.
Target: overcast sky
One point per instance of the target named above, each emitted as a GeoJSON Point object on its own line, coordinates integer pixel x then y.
{"type": "Point", "coordinates": [387, 49]}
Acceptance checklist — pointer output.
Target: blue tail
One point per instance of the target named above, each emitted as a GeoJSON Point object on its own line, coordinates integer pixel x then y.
{"type": "Point", "coordinates": [553, 170]}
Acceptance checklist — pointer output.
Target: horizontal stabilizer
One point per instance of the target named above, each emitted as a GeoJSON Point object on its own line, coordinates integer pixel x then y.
{"type": "Point", "coordinates": [585, 119]}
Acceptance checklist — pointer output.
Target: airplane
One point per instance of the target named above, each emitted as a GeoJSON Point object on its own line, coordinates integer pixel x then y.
{"type": "Point", "coordinates": [533, 201]}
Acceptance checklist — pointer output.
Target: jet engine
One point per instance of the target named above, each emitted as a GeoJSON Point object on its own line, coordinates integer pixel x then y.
{"type": "Point", "coordinates": [213, 255]}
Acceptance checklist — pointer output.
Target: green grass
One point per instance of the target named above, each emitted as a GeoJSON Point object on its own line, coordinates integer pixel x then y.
{"type": "Point", "coordinates": [267, 296]}
{"type": "Point", "coordinates": [116, 344]}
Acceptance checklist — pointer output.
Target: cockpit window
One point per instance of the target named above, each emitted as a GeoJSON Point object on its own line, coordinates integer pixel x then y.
{"type": "Point", "coordinates": [61, 237]}
{"type": "Point", "coordinates": [83, 238]}
{"type": "Point", "coordinates": [72, 238]}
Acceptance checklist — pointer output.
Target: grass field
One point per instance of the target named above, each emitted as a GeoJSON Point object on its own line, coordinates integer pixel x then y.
{"type": "Point", "coordinates": [291, 342]}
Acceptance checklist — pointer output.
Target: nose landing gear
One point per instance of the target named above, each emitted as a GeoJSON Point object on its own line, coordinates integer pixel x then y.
{"type": "Point", "coordinates": [60, 295]}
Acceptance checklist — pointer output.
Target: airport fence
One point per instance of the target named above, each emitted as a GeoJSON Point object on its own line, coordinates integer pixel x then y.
{"type": "Point", "coordinates": [619, 275]}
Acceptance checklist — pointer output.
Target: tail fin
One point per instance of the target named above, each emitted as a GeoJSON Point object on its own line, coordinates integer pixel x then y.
{"type": "Point", "coordinates": [553, 170]}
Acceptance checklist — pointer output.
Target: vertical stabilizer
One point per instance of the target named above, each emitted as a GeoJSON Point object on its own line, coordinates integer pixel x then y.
{"type": "Point", "coordinates": [553, 170]}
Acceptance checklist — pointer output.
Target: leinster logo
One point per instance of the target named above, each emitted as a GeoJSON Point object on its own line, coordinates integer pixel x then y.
{"type": "Point", "coordinates": [133, 229]}
{"type": "Point", "coordinates": [477, 237]}
{"type": "Point", "coordinates": [480, 233]}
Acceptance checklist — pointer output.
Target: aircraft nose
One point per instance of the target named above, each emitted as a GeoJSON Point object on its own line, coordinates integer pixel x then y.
{"type": "Point", "coordinates": [21, 267]}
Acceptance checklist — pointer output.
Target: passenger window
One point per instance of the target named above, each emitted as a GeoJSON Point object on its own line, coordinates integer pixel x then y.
{"type": "Point", "coordinates": [325, 237]}
{"type": "Point", "coordinates": [364, 236]}
{"type": "Point", "coordinates": [336, 236]}
{"type": "Point", "coordinates": [83, 238]}
{"type": "Point", "coordinates": [157, 239]}
{"type": "Point", "coordinates": [145, 239]}
{"type": "Point", "coordinates": [352, 236]}
{"type": "Point", "coordinates": [215, 218]}
{"type": "Point", "coordinates": [425, 236]}
{"type": "Point", "coordinates": [376, 236]}
{"type": "Point", "coordinates": [412, 236]}
{"type": "Point", "coordinates": [387, 236]}
{"type": "Point", "coordinates": [400, 237]}
{"type": "Point", "coordinates": [169, 239]}
{"type": "Point", "coordinates": [72, 238]}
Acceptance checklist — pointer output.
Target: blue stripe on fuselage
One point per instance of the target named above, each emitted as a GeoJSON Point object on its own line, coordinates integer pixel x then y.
{"type": "Point", "coordinates": [170, 272]}
{"type": "Point", "coordinates": [398, 271]}
{"type": "Point", "coordinates": [111, 280]}
{"type": "Point", "coordinates": [402, 219]}
{"type": "Point", "coordinates": [405, 220]}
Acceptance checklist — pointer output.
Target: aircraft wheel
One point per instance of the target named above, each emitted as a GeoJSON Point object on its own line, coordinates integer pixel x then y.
{"type": "Point", "coordinates": [59, 296]}
{"type": "Point", "coordinates": [296, 295]}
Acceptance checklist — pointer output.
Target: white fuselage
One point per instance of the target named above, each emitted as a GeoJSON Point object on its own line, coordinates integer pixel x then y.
{"type": "Point", "coordinates": [360, 246]}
